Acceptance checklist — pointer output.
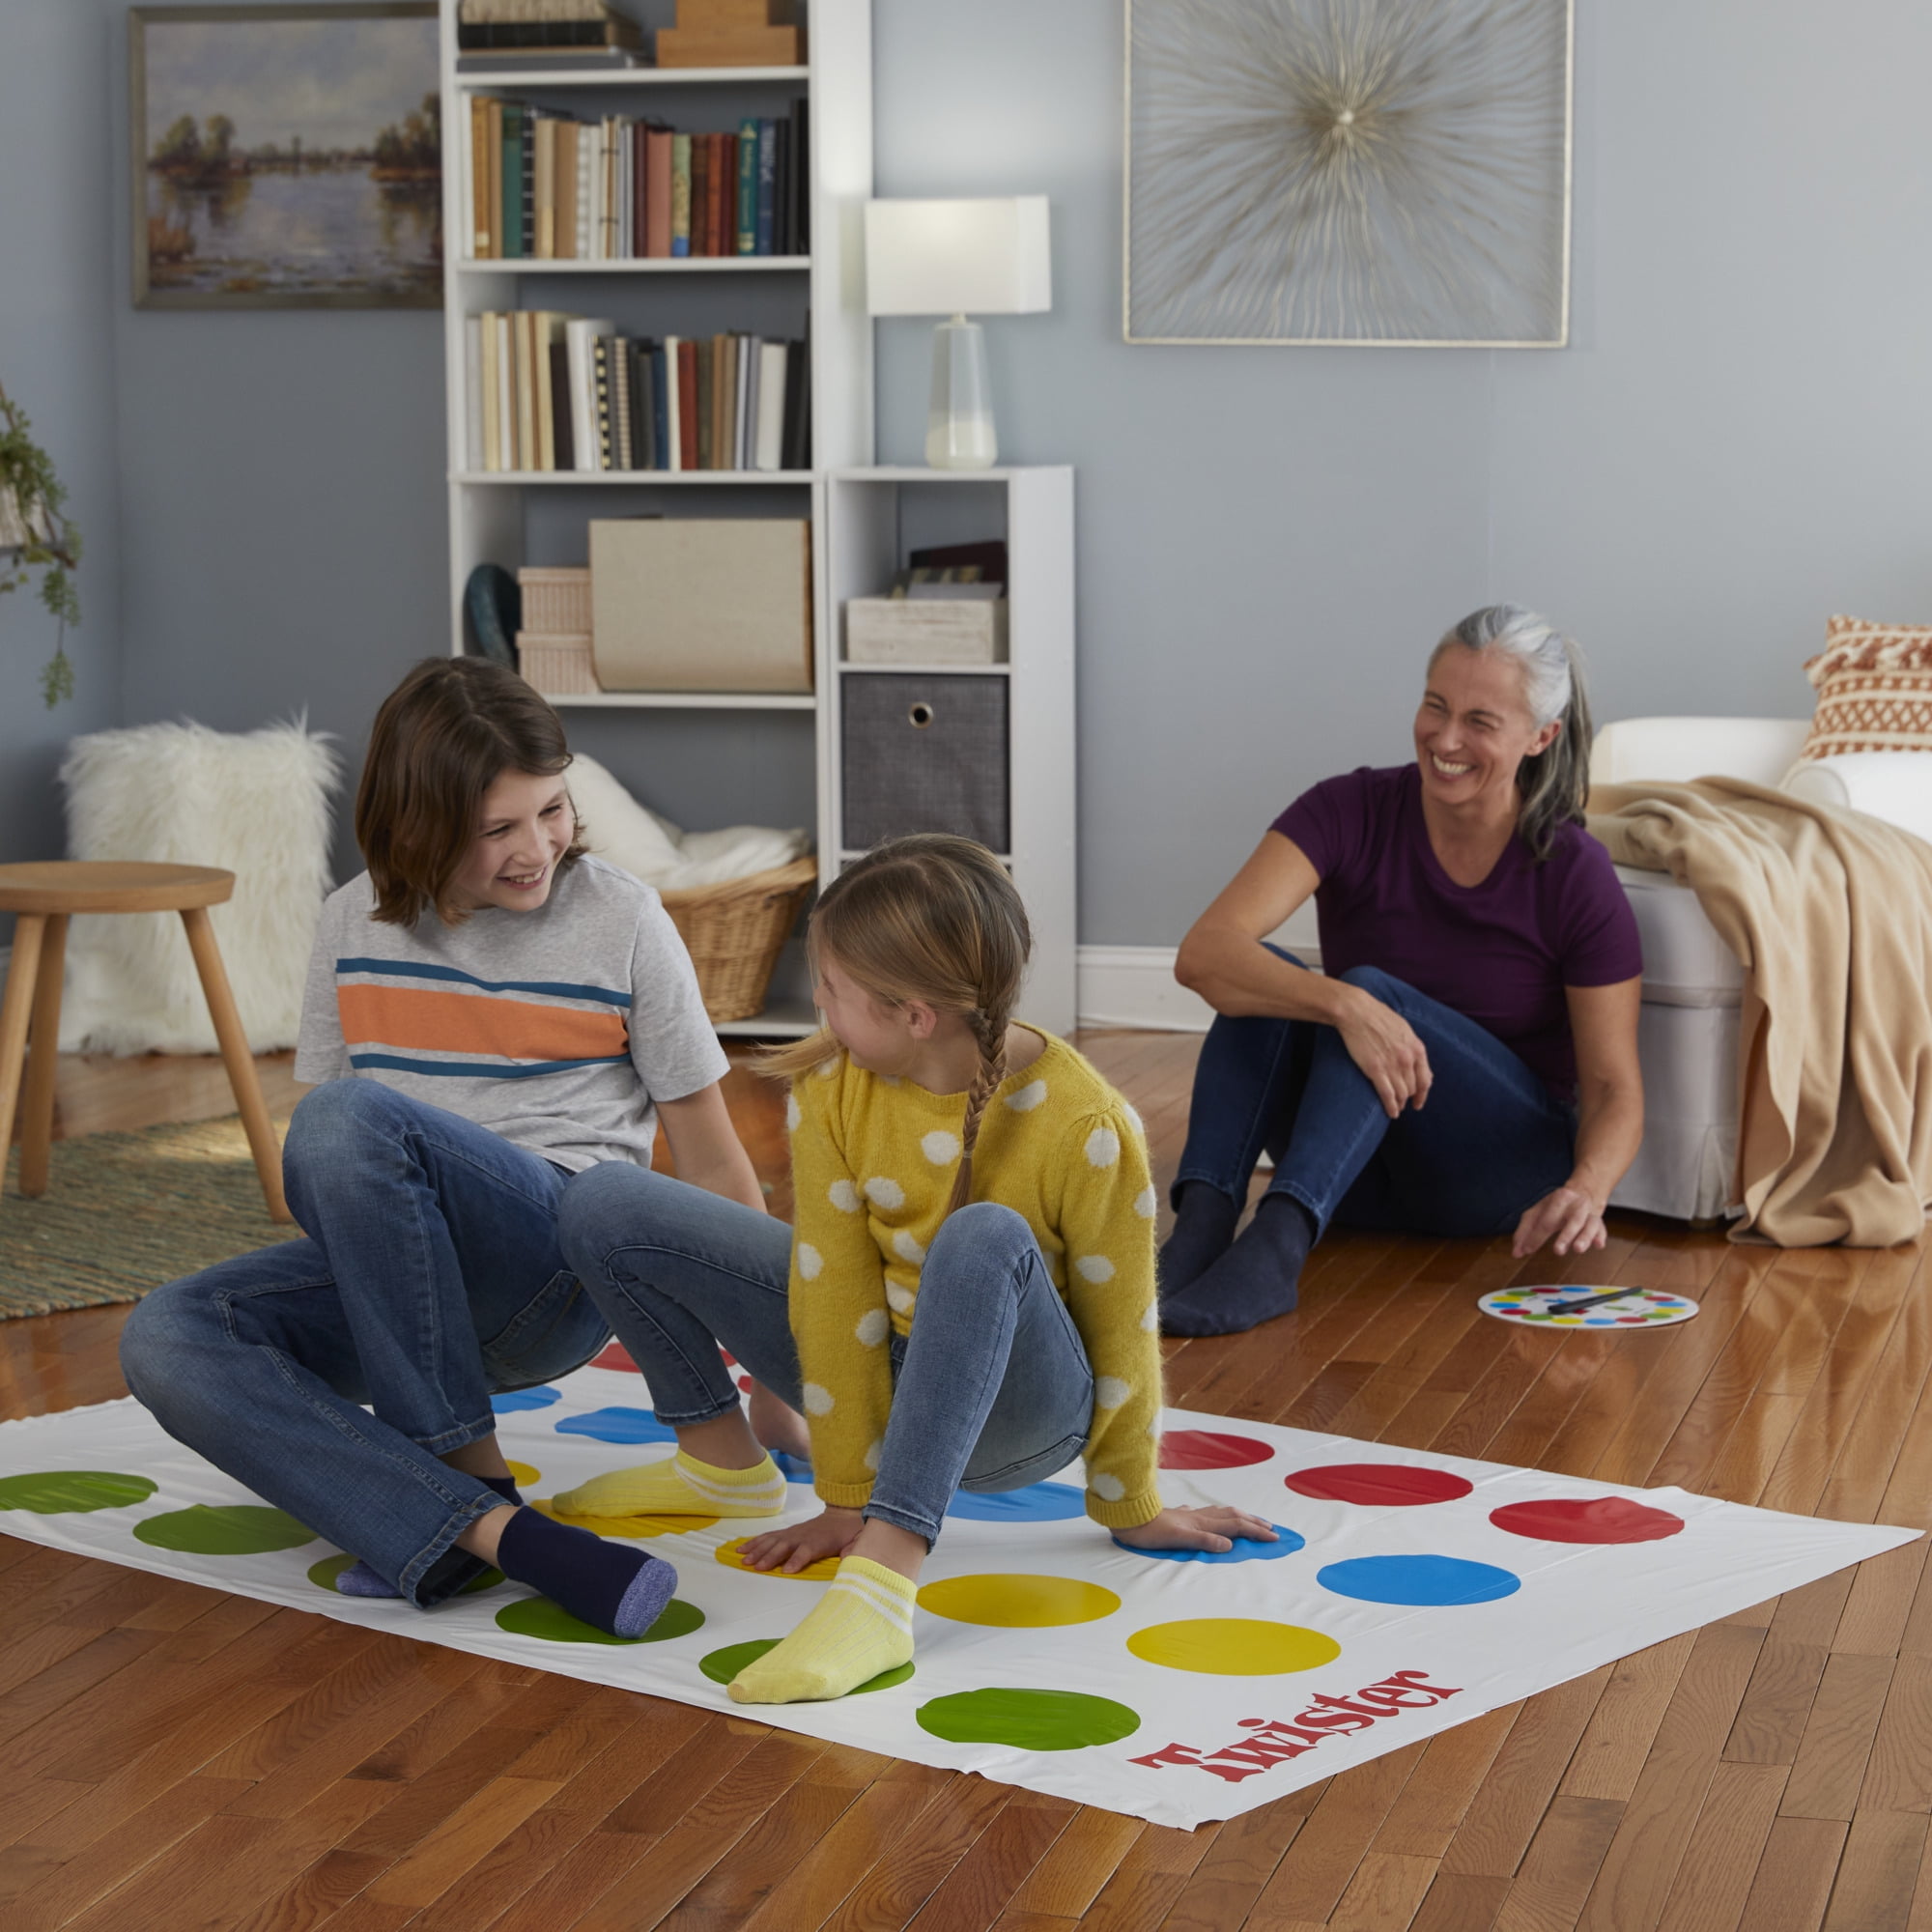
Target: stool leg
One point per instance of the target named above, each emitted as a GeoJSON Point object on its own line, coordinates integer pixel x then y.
{"type": "Point", "coordinates": [29, 928]}
{"type": "Point", "coordinates": [37, 1105]}
{"type": "Point", "coordinates": [237, 1058]}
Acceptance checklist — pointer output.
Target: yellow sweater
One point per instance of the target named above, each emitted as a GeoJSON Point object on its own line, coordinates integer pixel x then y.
{"type": "Point", "coordinates": [873, 1163]}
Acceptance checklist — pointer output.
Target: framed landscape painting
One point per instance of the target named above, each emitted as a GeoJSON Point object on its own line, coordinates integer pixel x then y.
{"type": "Point", "coordinates": [286, 156]}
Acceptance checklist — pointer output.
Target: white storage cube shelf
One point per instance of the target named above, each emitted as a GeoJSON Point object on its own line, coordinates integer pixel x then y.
{"type": "Point", "coordinates": [864, 518]}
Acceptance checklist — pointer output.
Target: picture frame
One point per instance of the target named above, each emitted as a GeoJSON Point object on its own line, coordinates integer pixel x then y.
{"type": "Point", "coordinates": [1348, 172]}
{"type": "Point", "coordinates": [286, 156]}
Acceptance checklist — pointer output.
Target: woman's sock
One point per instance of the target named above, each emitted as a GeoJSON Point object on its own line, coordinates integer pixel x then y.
{"type": "Point", "coordinates": [862, 1626]}
{"type": "Point", "coordinates": [1256, 1279]}
{"type": "Point", "coordinates": [1203, 1227]}
{"type": "Point", "coordinates": [679, 1485]}
{"type": "Point", "coordinates": [615, 1589]}
{"type": "Point", "coordinates": [360, 1580]}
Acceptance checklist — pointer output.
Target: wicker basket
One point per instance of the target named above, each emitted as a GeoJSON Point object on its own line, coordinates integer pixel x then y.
{"type": "Point", "coordinates": [560, 667]}
{"type": "Point", "coordinates": [555, 600]}
{"type": "Point", "coordinates": [735, 931]}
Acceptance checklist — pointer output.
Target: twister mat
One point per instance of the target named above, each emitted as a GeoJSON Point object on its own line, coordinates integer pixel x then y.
{"type": "Point", "coordinates": [1408, 1592]}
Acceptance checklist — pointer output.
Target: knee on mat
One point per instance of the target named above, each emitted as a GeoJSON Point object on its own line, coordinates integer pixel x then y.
{"type": "Point", "coordinates": [600, 1207]}
{"type": "Point", "coordinates": [335, 1117]}
{"type": "Point", "coordinates": [164, 1348]}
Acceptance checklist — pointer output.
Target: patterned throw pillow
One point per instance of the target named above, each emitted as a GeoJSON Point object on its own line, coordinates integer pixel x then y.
{"type": "Point", "coordinates": [1874, 685]}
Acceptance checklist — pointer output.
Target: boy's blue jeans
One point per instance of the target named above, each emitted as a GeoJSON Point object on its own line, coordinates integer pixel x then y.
{"type": "Point", "coordinates": [1489, 1141]}
{"type": "Point", "coordinates": [991, 1390]}
{"type": "Point", "coordinates": [429, 1274]}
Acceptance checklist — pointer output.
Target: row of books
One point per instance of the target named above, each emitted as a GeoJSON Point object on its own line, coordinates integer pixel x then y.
{"type": "Point", "coordinates": [547, 187]}
{"type": "Point", "coordinates": [548, 391]}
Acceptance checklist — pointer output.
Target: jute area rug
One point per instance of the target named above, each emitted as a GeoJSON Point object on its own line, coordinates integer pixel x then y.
{"type": "Point", "coordinates": [125, 1212]}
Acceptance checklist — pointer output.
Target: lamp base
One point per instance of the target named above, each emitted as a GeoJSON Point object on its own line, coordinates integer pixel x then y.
{"type": "Point", "coordinates": [959, 430]}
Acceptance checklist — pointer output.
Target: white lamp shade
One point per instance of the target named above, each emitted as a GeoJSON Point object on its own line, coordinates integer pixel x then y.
{"type": "Point", "coordinates": [958, 257]}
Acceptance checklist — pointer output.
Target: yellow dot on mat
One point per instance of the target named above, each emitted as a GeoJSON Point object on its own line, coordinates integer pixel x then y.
{"type": "Point", "coordinates": [1234, 1647]}
{"type": "Point", "coordinates": [633, 1526]}
{"type": "Point", "coordinates": [522, 1475]}
{"type": "Point", "coordinates": [1017, 1602]}
{"type": "Point", "coordinates": [732, 1557]}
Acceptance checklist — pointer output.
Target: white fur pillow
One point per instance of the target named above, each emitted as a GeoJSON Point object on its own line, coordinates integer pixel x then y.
{"type": "Point", "coordinates": [630, 834]}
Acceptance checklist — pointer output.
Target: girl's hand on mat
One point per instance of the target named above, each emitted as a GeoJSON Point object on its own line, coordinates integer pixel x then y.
{"type": "Point", "coordinates": [1209, 1529]}
{"type": "Point", "coordinates": [1566, 1215]}
{"type": "Point", "coordinates": [1388, 1051]}
{"type": "Point", "coordinates": [800, 1544]}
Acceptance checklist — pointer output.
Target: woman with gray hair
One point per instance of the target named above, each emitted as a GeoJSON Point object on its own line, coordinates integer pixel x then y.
{"type": "Point", "coordinates": [1465, 1061]}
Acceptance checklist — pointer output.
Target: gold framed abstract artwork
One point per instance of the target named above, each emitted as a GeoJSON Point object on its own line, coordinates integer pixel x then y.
{"type": "Point", "coordinates": [286, 156]}
{"type": "Point", "coordinates": [1369, 173]}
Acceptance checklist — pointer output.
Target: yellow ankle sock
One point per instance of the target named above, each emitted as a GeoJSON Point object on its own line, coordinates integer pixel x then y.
{"type": "Point", "coordinates": [680, 1485]}
{"type": "Point", "coordinates": [862, 1626]}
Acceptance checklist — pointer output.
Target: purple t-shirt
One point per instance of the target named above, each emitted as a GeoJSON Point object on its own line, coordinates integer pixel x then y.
{"type": "Point", "coordinates": [1500, 953]}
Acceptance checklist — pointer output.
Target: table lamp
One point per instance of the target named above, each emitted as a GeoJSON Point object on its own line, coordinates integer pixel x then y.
{"type": "Point", "coordinates": [952, 258]}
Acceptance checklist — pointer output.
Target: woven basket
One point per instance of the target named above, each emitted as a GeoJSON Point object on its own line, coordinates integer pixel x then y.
{"type": "Point", "coordinates": [734, 933]}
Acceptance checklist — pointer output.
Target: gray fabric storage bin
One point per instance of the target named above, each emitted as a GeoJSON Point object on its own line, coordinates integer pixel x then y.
{"type": "Point", "coordinates": [923, 755]}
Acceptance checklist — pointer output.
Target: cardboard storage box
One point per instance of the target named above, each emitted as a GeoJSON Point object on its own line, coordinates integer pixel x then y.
{"type": "Point", "coordinates": [924, 630]}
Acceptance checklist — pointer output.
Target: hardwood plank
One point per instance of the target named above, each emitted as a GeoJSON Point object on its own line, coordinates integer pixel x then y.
{"type": "Point", "coordinates": [1384, 1894]}
{"type": "Point", "coordinates": [1778, 1703]}
{"type": "Point", "coordinates": [1609, 1758]}
{"type": "Point", "coordinates": [1878, 1872]}
{"type": "Point", "coordinates": [1561, 1864]}
{"type": "Point", "coordinates": [438, 1858]}
{"type": "Point", "coordinates": [1793, 1878]}
{"type": "Point", "coordinates": [1712, 1884]}
{"type": "Point", "coordinates": [1461, 1902]}
{"type": "Point", "coordinates": [1066, 1882]}
{"type": "Point", "coordinates": [1238, 1865]}
{"type": "Point", "coordinates": [1424, 1820]}
{"type": "Point", "coordinates": [977, 1888]}
{"type": "Point", "coordinates": [1319, 1866]}
{"type": "Point", "coordinates": [1837, 1739]}
{"type": "Point", "coordinates": [895, 1887]}
{"type": "Point", "coordinates": [1898, 1774]}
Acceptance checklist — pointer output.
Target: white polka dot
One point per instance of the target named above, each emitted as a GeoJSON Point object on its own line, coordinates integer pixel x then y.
{"type": "Point", "coordinates": [901, 1298]}
{"type": "Point", "coordinates": [1144, 1204]}
{"type": "Point", "coordinates": [908, 1249]}
{"type": "Point", "coordinates": [1150, 1318]}
{"type": "Point", "coordinates": [1103, 1148]}
{"type": "Point", "coordinates": [884, 1193]}
{"type": "Point", "coordinates": [817, 1401]}
{"type": "Point", "coordinates": [1153, 1429]}
{"type": "Point", "coordinates": [872, 1457]}
{"type": "Point", "coordinates": [1110, 1392]}
{"type": "Point", "coordinates": [1093, 1267]}
{"type": "Point", "coordinates": [1028, 1098]}
{"type": "Point", "coordinates": [1140, 1125]}
{"type": "Point", "coordinates": [1109, 1489]}
{"type": "Point", "coordinates": [844, 1196]}
{"type": "Point", "coordinates": [792, 1114]}
{"type": "Point", "coordinates": [809, 1261]}
{"type": "Point", "coordinates": [939, 1147]}
{"type": "Point", "coordinates": [873, 1327]}
{"type": "Point", "coordinates": [826, 1068]}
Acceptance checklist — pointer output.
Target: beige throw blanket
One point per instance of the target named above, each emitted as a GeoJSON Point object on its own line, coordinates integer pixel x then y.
{"type": "Point", "coordinates": [1829, 912]}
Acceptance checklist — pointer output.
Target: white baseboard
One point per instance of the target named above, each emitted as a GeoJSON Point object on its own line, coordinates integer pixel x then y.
{"type": "Point", "coordinates": [1134, 986]}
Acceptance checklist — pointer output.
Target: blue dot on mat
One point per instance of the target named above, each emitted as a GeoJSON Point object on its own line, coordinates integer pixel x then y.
{"type": "Point", "coordinates": [1246, 1549]}
{"type": "Point", "coordinates": [618, 1425]}
{"type": "Point", "coordinates": [1418, 1579]}
{"type": "Point", "coordinates": [1600, 1321]}
{"type": "Point", "coordinates": [1037, 1503]}
{"type": "Point", "coordinates": [536, 1397]}
{"type": "Point", "coordinates": [793, 1468]}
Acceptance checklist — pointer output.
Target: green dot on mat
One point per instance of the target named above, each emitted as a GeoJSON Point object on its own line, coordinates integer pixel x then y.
{"type": "Point", "coordinates": [538, 1616]}
{"type": "Point", "coordinates": [323, 1575]}
{"type": "Point", "coordinates": [1028, 1719]}
{"type": "Point", "coordinates": [721, 1666]}
{"type": "Point", "coordinates": [234, 1529]}
{"type": "Point", "coordinates": [63, 1491]}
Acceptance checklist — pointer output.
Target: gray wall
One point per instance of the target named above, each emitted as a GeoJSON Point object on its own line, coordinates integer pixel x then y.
{"type": "Point", "coordinates": [57, 306]}
{"type": "Point", "coordinates": [1732, 449]}
{"type": "Point", "coordinates": [1270, 539]}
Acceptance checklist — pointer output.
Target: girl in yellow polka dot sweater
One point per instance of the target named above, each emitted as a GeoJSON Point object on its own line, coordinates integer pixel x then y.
{"type": "Point", "coordinates": [969, 1299]}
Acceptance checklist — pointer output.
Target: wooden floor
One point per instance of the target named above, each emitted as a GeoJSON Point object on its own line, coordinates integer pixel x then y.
{"type": "Point", "coordinates": [172, 1757]}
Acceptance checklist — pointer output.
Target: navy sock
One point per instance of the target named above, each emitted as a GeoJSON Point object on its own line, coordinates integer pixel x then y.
{"type": "Point", "coordinates": [360, 1580]}
{"type": "Point", "coordinates": [1256, 1279]}
{"type": "Point", "coordinates": [1203, 1227]}
{"type": "Point", "coordinates": [619, 1590]}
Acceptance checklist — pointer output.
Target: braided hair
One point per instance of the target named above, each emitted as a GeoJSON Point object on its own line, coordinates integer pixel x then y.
{"type": "Point", "coordinates": [935, 919]}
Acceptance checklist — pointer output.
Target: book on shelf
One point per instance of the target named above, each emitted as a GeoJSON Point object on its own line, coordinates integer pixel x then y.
{"type": "Point", "coordinates": [549, 186]}
{"type": "Point", "coordinates": [546, 391]}
{"type": "Point", "coordinates": [517, 27]}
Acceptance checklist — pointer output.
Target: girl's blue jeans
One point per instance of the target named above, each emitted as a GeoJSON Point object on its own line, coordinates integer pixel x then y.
{"type": "Point", "coordinates": [991, 1389]}
{"type": "Point", "coordinates": [428, 1275]}
{"type": "Point", "coordinates": [1491, 1140]}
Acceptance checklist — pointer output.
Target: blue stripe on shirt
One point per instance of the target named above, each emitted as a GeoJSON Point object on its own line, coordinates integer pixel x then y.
{"type": "Point", "coordinates": [482, 1070]}
{"type": "Point", "coordinates": [405, 969]}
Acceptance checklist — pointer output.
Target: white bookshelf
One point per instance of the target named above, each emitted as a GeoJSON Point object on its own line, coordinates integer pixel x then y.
{"type": "Point", "coordinates": [512, 519]}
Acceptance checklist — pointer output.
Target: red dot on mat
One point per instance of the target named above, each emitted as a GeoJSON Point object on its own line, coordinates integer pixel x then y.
{"type": "Point", "coordinates": [1632, 1317]}
{"type": "Point", "coordinates": [730, 1360]}
{"type": "Point", "coordinates": [1397, 1485]}
{"type": "Point", "coordinates": [614, 1357]}
{"type": "Point", "coordinates": [1204, 1449]}
{"type": "Point", "coordinates": [1587, 1520]}
{"type": "Point", "coordinates": [745, 1383]}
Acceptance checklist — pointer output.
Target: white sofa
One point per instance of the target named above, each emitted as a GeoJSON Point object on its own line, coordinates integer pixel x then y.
{"type": "Point", "coordinates": [1693, 986]}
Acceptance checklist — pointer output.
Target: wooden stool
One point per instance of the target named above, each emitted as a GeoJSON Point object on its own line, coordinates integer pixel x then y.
{"type": "Point", "coordinates": [42, 898]}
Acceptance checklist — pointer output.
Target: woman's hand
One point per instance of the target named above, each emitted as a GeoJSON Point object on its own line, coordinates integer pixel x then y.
{"type": "Point", "coordinates": [800, 1544]}
{"type": "Point", "coordinates": [1566, 1215]}
{"type": "Point", "coordinates": [1388, 1051]}
{"type": "Point", "coordinates": [1212, 1529]}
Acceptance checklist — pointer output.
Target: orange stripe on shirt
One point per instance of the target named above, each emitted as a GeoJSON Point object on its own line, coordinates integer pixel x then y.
{"type": "Point", "coordinates": [476, 1023]}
